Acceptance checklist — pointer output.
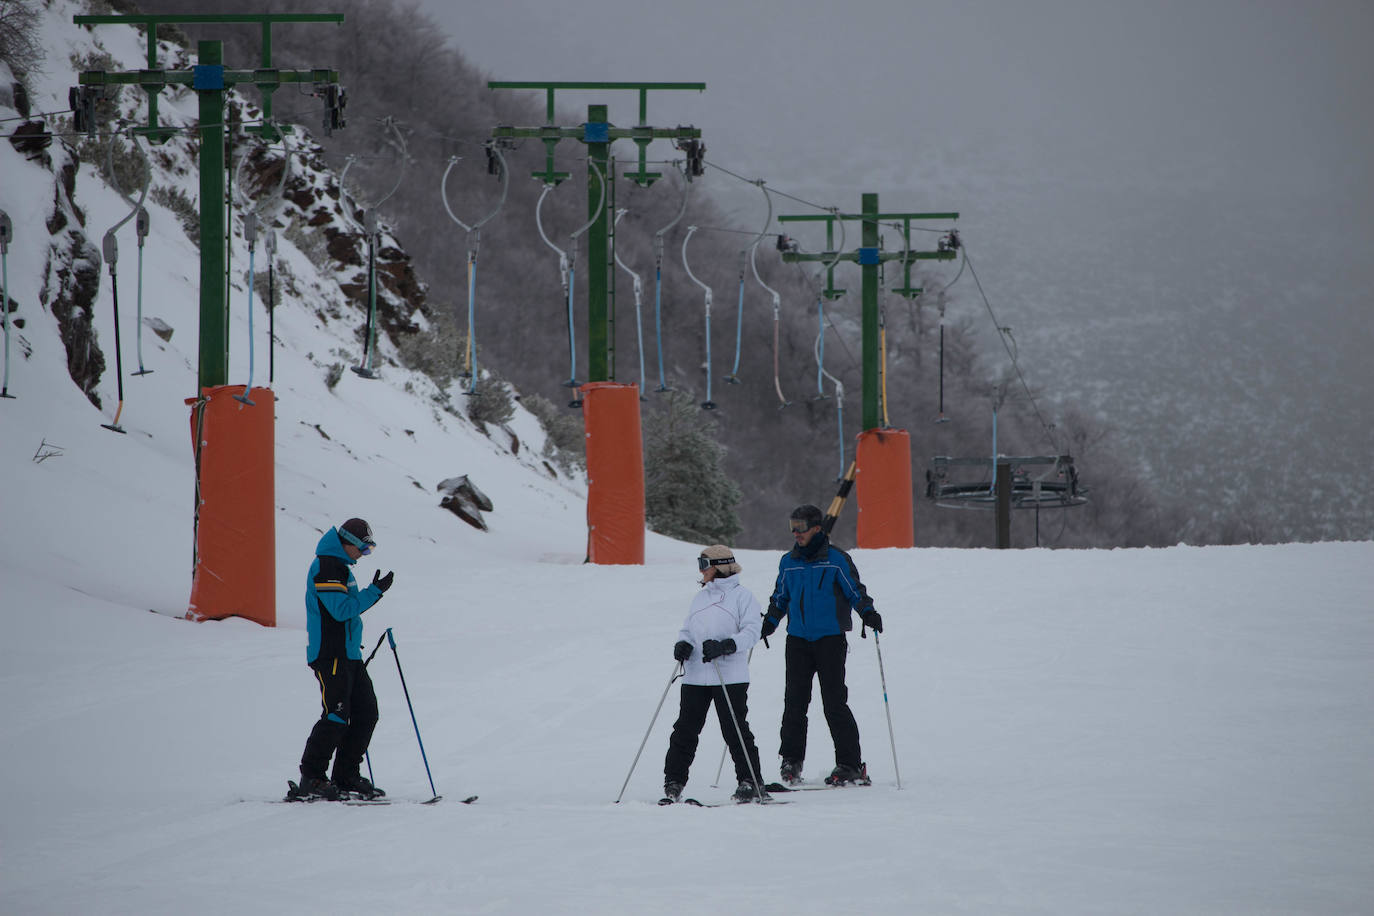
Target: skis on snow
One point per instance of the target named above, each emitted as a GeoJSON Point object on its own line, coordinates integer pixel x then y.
{"type": "Point", "coordinates": [665, 800]}
{"type": "Point", "coordinates": [294, 795]}
{"type": "Point", "coordinates": [813, 787]}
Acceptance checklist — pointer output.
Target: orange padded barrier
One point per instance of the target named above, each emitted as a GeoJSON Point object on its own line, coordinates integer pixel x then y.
{"type": "Point", "coordinates": [236, 542]}
{"type": "Point", "coordinates": [615, 473]}
{"type": "Point", "coordinates": [883, 483]}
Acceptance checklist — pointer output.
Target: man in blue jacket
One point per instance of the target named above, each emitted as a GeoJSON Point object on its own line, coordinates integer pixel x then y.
{"type": "Point", "coordinates": [334, 606]}
{"type": "Point", "coordinates": [818, 586]}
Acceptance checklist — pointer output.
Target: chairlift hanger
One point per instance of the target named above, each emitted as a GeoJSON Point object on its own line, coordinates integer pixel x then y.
{"type": "Point", "coordinates": [658, 273]}
{"type": "Point", "coordinates": [496, 163]}
{"type": "Point", "coordinates": [639, 303]}
{"type": "Point", "coordinates": [567, 267]}
{"type": "Point", "coordinates": [6, 236]}
{"type": "Point", "coordinates": [110, 249]}
{"type": "Point", "coordinates": [250, 234]}
{"type": "Point", "coordinates": [747, 253]}
{"type": "Point", "coordinates": [777, 307]}
{"type": "Point", "coordinates": [367, 369]}
{"type": "Point", "coordinates": [707, 404]}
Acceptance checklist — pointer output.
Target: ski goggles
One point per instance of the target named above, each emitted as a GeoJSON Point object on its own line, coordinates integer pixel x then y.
{"type": "Point", "coordinates": [365, 546]}
{"type": "Point", "coordinates": [798, 526]}
{"type": "Point", "coordinates": [704, 563]}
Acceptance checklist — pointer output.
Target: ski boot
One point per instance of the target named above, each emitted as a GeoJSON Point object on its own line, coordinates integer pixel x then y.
{"type": "Point", "coordinates": [845, 775]}
{"type": "Point", "coordinates": [791, 772]}
{"type": "Point", "coordinates": [357, 786]}
{"type": "Point", "coordinates": [311, 788]}
{"type": "Point", "coordinates": [745, 792]}
{"type": "Point", "coordinates": [672, 793]}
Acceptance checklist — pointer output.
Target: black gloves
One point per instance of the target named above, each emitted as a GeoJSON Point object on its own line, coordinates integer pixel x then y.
{"type": "Point", "coordinates": [873, 620]}
{"type": "Point", "coordinates": [383, 582]}
{"type": "Point", "coordinates": [712, 649]}
{"type": "Point", "coordinates": [769, 627]}
{"type": "Point", "coordinates": [682, 650]}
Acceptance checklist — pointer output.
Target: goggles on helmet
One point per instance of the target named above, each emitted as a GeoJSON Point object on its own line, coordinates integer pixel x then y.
{"type": "Point", "coordinates": [366, 546]}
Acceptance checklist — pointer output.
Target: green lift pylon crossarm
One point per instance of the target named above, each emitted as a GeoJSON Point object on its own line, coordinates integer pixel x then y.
{"type": "Point", "coordinates": [597, 133]}
{"type": "Point", "coordinates": [210, 79]}
{"type": "Point", "coordinates": [869, 256]}
{"type": "Point", "coordinates": [155, 132]}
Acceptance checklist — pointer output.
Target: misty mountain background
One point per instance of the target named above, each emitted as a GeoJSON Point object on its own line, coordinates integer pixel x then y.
{"type": "Point", "coordinates": [1244, 420]}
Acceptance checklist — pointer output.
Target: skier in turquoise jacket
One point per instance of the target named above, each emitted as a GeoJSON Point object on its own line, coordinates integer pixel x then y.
{"type": "Point", "coordinates": [334, 606]}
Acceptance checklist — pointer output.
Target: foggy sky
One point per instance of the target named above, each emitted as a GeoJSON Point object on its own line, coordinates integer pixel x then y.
{"type": "Point", "coordinates": [818, 94]}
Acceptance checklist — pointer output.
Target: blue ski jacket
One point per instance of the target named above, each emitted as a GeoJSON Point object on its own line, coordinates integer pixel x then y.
{"type": "Point", "coordinates": [817, 587]}
{"type": "Point", "coordinates": [334, 604]}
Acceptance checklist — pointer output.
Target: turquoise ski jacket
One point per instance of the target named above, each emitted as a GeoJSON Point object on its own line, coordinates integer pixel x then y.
{"type": "Point", "coordinates": [334, 604]}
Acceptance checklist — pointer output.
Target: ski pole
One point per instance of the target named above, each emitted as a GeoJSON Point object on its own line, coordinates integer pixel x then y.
{"type": "Point", "coordinates": [721, 768]}
{"type": "Point", "coordinates": [366, 754]}
{"type": "Point", "coordinates": [887, 709]}
{"type": "Point", "coordinates": [743, 748]}
{"type": "Point", "coordinates": [392, 641]}
{"type": "Point", "coordinates": [380, 640]}
{"type": "Point", "coordinates": [678, 671]}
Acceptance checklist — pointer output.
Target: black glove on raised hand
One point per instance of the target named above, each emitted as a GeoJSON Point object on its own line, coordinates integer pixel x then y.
{"type": "Point", "coordinates": [713, 649]}
{"type": "Point", "coordinates": [383, 582]}
{"type": "Point", "coordinates": [769, 627]}
{"type": "Point", "coordinates": [873, 620]}
{"type": "Point", "coordinates": [682, 650]}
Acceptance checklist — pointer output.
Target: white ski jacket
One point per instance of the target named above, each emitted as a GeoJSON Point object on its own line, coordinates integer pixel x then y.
{"type": "Point", "coordinates": [723, 609]}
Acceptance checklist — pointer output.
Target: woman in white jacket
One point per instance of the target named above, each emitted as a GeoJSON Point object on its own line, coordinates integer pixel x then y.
{"type": "Point", "coordinates": [713, 646]}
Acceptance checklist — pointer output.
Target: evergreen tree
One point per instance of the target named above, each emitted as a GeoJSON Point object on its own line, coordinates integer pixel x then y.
{"type": "Point", "coordinates": [686, 493]}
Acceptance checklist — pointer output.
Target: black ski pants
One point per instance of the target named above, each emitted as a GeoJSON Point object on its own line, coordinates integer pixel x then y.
{"type": "Point", "coordinates": [695, 703]}
{"type": "Point", "coordinates": [822, 659]}
{"type": "Point", "coordinates": [348, 716]}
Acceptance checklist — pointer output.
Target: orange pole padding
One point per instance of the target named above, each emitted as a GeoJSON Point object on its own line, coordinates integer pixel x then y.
{"type": "Point", "coordinates": [615, 473]}
{"type": "Point", "coordinates": [883, 485]}
{"type": "Point", "coordinates": [236, 542]}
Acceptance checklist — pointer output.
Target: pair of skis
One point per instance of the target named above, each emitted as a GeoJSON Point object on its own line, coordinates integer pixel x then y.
{"type": "Point", "coordinates": [771, 788]}
{"type": "Point", "coordinates": [665, 800]}
{"type": "Point", "coordinates": [294, 796]}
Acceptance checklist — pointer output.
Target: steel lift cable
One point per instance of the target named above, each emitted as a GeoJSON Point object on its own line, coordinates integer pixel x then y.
{"type": "Point", "coordinates": [1005, 334]}
{"type": "Point", "coordinates": [707, 404]}
{"type": "Point", "coordinates": [110, 249]}
{"type": "Point", "coordinates": [639, 303]}
{"type": "Point", "coordinates": [658, 275]}
{"type": "Point", "coordinates": [474, 243]}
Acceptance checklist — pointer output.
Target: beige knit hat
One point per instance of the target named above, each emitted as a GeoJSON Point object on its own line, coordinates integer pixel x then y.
{"type": "Point", "coordinates": [721, 557]}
